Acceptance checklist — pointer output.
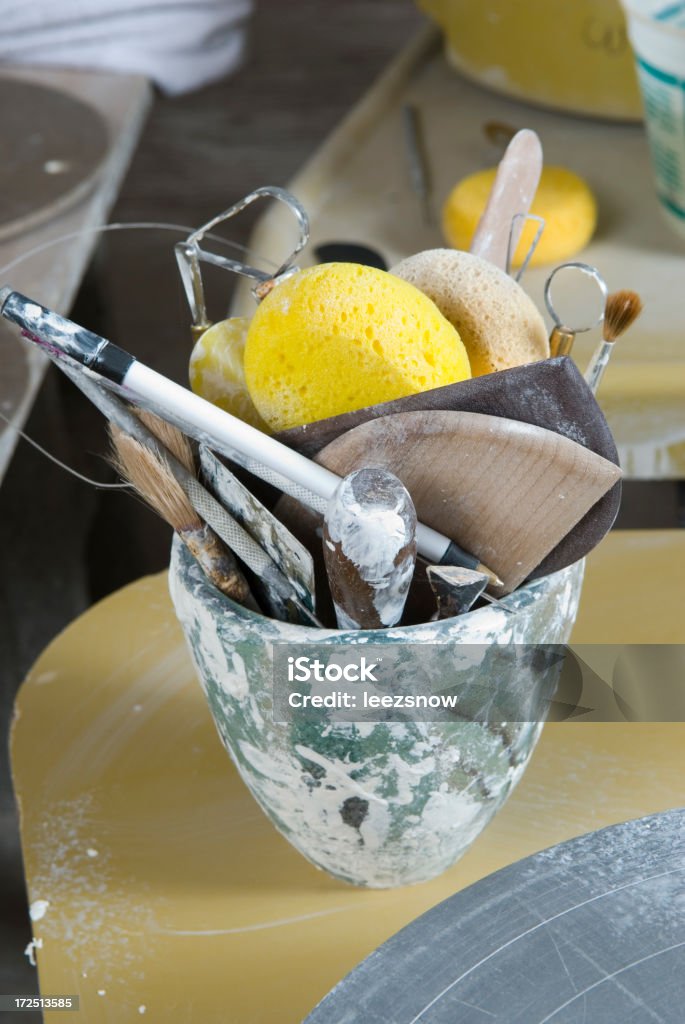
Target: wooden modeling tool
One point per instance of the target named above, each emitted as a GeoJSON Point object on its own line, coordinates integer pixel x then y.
{"type": "Point", "coordinates": [508, 491]}
{"type": "Point", "coordinates": [551, 394]}
{"type": "Point", "coordinates": [155, 483]}
{"type": "Point", "coordinates": [512, 194]}
{"type": "Point", "coordinates": [622, 310]}
{"type": "Point", "coordinates": [369, 547]}
{"type": "Point", "coordinates": [456, 590]}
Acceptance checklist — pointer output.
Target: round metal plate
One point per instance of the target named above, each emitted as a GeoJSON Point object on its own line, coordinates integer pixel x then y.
{"type": "Point", "coordinates": [592, 930]}
{"type": "Point", "coordinates": [53, 147]}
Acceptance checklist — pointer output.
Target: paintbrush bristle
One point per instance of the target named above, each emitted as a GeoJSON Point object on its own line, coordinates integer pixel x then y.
{"type": "Point", "coordinates": [170, 436]}
{"type": "Point", "coordinates": [621, 311]}
{"type": "Point", "coordinates": [153, 481]}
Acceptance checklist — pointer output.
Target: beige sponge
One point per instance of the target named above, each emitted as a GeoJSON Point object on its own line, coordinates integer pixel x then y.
{"type": "Point", "coordinates": [498, 323]}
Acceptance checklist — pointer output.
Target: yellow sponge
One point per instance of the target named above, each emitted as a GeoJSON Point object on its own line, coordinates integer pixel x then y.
{"type": "Point", "coordinates": [342, 336]}
{"type": "Point", "coordinates": [563, 199]}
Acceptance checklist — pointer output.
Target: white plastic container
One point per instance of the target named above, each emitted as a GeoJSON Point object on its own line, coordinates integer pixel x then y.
{"type": "Point", "coordinates": [657, 33]}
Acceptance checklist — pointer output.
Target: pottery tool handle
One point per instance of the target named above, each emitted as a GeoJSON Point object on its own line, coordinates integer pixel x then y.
{"type": "Point", "coordinates": [511, 196]}
{"type": "Point", "coordinates": [369, 546]}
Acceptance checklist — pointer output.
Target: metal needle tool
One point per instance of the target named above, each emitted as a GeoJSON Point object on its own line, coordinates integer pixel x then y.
{"type": "Point", "coordinates": [417, 158]}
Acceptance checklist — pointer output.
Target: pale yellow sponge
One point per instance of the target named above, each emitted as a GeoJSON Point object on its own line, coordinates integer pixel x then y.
{"type": "Point", "coordinates": [216, 369]}
{"type": "Point", "coordinates": [341, 336]}
{"type": "Point", "coordinates": [563, 199]}
{"type": "Point", "coordinates": [498, 323]}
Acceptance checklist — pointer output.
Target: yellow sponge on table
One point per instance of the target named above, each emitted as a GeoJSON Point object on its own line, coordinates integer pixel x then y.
{"type": "Point", "coordinates": [563, 199]}
{"type": "Point", "coordinates": [341, 336]}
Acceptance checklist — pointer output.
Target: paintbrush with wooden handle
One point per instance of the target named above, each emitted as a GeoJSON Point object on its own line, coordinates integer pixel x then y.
{"type": "Point", "coordinates": [622, 310]}
{"type": "Point", "coordinates": [153, 480]}
{"type": "Point", "coordinates": [275, 588]}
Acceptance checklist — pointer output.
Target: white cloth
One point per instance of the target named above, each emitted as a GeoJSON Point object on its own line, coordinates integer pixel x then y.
{"type": "Point", "coordinates": [179, 45]}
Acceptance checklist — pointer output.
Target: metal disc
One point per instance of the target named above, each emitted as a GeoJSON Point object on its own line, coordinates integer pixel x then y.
{"type": "Point", "coordinates": [592, 930]}
{"type": "Point", "coordinates": [53, 145]}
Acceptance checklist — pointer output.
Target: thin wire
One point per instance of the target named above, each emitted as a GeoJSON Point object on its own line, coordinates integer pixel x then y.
{"type": "Point", "coordinates": [511, 248]}
{"type": "Point", "coordinates": [62, 465]}
{"type": "Point", "coordinates": [121, 226]}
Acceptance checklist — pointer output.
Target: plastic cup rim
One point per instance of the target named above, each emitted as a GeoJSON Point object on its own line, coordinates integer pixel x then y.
{"type": "Point", "coordinates": [636, 13]}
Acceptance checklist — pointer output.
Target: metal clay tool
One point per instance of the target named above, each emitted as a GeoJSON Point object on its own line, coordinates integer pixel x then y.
{"type": "Point", "coordinates": [291, 557]}
{"type": "Point", "coordinates": [190, 254]}
{"type": "Point", "coordinates": [456, 590]}
{"type": "Point", "coordinates": [417, 158]}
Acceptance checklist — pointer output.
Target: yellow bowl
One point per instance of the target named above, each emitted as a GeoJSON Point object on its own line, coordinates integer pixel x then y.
{"type": "Point", "coordinates": [572, 55]}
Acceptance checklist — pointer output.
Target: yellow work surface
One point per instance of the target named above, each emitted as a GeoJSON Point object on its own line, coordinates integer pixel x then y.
{"type": "Point", "coordinates": [158, 887]}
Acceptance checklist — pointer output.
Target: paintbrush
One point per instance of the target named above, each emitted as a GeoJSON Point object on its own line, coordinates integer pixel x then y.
{"type": "Point", "coordinates": [151, 477]}
{"type": "Point", "coordinates": [621, 311]}
{"type": "Point", "coordinates": [275, 590]}
{"type": "Point", "coordinates": [170, 437]}
{"type": "Point", "coordinates": [369, 547]}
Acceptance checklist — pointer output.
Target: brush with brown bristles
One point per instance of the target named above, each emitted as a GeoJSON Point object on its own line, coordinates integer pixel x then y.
{"type": "Point", "coordinates": [152, 478]}
{"type": "Point", "coordinates": [173, 439]}
{"type": "Point", "coordinates": [621, 311]}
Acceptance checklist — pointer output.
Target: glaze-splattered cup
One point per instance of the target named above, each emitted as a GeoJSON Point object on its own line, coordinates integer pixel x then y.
{"type": "Point", "coordinates": [380, 804]}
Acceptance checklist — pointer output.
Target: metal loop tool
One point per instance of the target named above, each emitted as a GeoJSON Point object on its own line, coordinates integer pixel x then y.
{"type": "Point", "coordinates": [189, 255]}
{"type": "Point", "coordinates": [518, 222]}
{"type": "Point", "coordinates": [563, 334]}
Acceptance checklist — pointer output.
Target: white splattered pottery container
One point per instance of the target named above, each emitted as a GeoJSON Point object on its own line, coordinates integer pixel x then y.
{"type": "Point", "coordinates": [380, 804]}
